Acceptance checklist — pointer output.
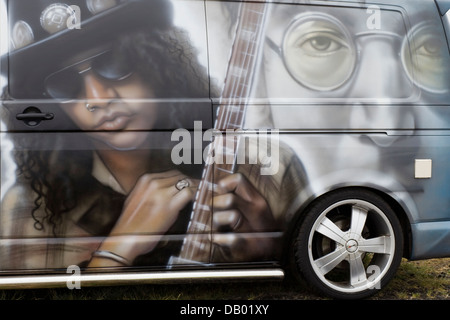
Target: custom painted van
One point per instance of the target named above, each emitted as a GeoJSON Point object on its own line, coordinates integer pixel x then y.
{"type": "Point", "coordinates": [150, 140]}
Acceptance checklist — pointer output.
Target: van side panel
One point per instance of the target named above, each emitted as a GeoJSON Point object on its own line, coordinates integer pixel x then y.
{"type": "Point", "coordinates": [194, 133]}
{"type": "Point", "coordinates": [369, 127]}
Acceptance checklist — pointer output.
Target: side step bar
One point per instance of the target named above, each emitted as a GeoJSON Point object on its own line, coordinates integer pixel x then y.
{"type": "Point", "coordinates": [128, 278]}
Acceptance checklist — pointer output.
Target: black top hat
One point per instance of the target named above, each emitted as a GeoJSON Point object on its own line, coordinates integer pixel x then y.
{"type": "Point", "coordinates": [46, 34]}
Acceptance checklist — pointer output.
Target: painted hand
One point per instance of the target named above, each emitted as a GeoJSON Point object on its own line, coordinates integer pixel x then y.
{"type": "Point", "coordinates": [240, 211]}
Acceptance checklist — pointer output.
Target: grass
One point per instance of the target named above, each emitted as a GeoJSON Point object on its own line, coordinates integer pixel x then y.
{"type": "Point", "coordinates": [415, 280]}
{"type": "Point", "coordinates": [420, 280]}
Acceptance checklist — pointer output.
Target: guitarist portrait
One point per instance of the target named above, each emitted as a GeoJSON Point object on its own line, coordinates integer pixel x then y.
{"type": "Point", "coordinates": [110, 196]}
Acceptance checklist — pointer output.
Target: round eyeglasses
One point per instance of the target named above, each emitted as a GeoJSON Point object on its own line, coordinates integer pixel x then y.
{"type": "Point", "coordinates": [319, 53]}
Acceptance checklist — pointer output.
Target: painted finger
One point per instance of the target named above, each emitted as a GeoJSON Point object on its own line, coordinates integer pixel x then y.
{"type": "Point", "coordinates": [225, 221]}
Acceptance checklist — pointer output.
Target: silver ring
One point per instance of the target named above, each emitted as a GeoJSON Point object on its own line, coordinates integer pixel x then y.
{"type": "Point", "coordinates": [181, 184]}
{"type": "Point", "coordinates": [89, 108]}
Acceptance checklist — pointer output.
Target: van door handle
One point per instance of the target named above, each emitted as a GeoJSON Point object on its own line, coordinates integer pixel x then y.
{"type": "Point", "coordinates": [32, 116]}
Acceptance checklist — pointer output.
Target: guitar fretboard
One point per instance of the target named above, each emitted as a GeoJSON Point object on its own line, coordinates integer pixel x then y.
{"type": "Point", "coordinates": [230, 116]}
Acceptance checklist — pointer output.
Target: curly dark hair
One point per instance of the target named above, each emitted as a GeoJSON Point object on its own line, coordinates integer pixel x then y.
{"type": "Point", "coordinates": [60, 177]}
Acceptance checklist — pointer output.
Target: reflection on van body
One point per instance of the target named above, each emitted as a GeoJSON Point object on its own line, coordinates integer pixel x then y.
{"type": "Point", "coordinates": [165, 135]}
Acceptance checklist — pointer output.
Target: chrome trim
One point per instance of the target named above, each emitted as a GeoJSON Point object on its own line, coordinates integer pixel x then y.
{"type": "Point", "coordinates": [446, 18]}
{"type": "Point", "coordinates": [446, 23]}
{"type": "Point", "coordinates": [127, 278]}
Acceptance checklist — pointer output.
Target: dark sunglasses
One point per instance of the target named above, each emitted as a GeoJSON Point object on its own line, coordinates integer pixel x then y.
{"type": "Point", "coordinates": [68, 82]}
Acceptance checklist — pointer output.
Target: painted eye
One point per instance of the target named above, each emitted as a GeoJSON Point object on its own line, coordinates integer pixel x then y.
{"type": "Point", "coordinates": [425, 57]}
{"type": "Point", "coordinates": [318, 52]}
{"type": "Point", "coordinates": [321, 44]}
{"type": "Point", "coordinates": [431, 47]}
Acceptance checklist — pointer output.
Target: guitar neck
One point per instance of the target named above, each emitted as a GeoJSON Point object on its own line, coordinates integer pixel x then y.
{"type": "Point", "coordinates": [242, 67]}
{"type": "Point", "coordinates": [230, 115]}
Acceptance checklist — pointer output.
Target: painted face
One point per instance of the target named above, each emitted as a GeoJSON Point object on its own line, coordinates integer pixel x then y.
{"type": "Point", "coordinates": [355, 56]}
{"type": "Point", "coordinates": [110, 102]}
{"type": "Point", "coordinates": [353, 53]}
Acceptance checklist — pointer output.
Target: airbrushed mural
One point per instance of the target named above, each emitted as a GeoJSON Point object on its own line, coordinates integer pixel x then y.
{"type": "Point", "coordinates": [161, 133]}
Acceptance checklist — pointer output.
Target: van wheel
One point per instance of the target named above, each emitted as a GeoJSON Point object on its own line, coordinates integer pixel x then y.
{"type": "Point", "coordinates": [349, 244]}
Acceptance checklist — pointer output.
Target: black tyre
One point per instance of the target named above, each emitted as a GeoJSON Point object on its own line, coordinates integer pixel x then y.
{"type": "Point", "coordinates": [349, 244]}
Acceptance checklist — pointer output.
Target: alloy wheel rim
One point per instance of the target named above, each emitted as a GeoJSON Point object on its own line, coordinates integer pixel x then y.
{"type": "Point", "coordinates": [351, 254]}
